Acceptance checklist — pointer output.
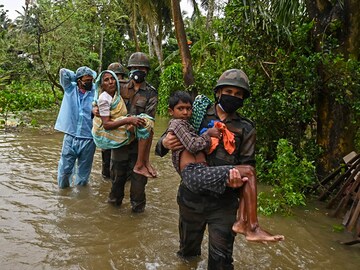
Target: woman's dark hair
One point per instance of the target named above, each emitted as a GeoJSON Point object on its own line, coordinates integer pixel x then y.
{"type": "Point", "coordinates": [178, 96]}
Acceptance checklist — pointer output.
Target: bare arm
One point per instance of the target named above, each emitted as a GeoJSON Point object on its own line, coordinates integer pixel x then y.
{"type": "Point", "coordinates": [188, 137]}
{"type": "Point", "coordinates": [132, 120]}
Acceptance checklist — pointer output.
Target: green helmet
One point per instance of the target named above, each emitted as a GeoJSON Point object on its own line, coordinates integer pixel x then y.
{"type": "Point", "coordinates": [234, 77]}
{"type": "Point", "coordinates": [117, 68]}
{"type": "Point", "coordinates": [138, 59]}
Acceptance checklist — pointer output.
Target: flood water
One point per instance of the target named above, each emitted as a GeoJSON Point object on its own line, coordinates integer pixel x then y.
{"type": "Point", "coordinates": [42, 227]}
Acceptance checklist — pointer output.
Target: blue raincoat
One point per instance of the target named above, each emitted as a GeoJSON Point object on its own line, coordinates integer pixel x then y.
{"type": "Point", "coordinates": [74, 119]}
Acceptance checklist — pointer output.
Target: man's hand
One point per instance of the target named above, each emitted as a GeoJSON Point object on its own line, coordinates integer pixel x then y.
{"type": "Point", "coordinates": [235, 179]}
{"type": "Point", "coordinates": [136, 121]}
{"type": "Point", "coordinates": [171, 142]}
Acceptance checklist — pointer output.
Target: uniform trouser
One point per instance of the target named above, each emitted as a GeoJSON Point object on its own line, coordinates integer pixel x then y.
{"type": "Point", "coordinates": [219, 214]}
{"type": "Point", "coordinates": [123, 160]}
{"type": "Point", "coordinates": [105, 157]}
{"type": "Point", "coordinates": [80, 150]}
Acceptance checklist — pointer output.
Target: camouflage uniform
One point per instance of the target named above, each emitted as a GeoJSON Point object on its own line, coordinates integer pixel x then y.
{"type": "Point", "coordinates": [124, 158]}
{"type": "Point", "coordinates": [218, 213]}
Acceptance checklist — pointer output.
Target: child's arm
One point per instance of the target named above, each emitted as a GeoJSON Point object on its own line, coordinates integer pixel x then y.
{"type": "Point", "coordinates": [190, 140]}
{"type": "Point", "coordinates": [126, 120]}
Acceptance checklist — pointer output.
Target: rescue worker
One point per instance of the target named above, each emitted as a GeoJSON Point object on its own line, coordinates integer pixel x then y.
{"type": "Point", "coordinates": [121, 73]}
{"type": "Point", "coordinates": [196, 211]}
{"type": "Point", "coordinates": [140, 97]}
{"type": "Point", "coordinates": [75, 121]}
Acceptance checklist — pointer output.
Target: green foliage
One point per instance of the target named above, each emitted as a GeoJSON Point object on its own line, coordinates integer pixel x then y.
{"type": "Point", "coordinates": [344, 82]}
{"type": "Point", "coordinates": [17, 98]}
{"type": "Point", "coordinates": [338, 228]}
{"type": "Point", "coordinates": [171, 80]}
{"type": "Point", "coordinates": [289, 176]}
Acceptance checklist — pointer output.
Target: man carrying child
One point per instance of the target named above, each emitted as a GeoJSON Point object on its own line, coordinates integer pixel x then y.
{"type": "Point", "coordinates": [200, 209]}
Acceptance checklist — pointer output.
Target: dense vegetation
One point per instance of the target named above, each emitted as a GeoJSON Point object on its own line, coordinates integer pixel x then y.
{"type": "Point", "coordinates": [304, 72]}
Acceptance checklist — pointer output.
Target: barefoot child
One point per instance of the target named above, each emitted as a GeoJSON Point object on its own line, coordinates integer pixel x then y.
{"type": "Point", "coordinates": [114, 128]}
{"type": "Point", "coordinates": [197, 176]}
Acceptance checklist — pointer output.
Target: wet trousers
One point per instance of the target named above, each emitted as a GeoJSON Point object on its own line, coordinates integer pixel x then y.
{"type": "Point", "coordinates": [219, 214]}
{"type": "Point", "coordinates": [76, 160]}
{"type": "Point", "coordinates": [123, 160]}
{"type": "Point", "coordinates": [105, 158]}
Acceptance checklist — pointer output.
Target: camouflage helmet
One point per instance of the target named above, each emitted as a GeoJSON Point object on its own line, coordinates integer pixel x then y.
{"type": "Point", "coordinates": [117, 68]}
{"type": "Point", "coordinates": [234, 77]}
{"type": "Point", "coordinates": [138, 59]}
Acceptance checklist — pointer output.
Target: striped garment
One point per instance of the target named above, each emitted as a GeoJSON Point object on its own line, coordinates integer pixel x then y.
{"type": "Point", "coordinates": [109, 139]}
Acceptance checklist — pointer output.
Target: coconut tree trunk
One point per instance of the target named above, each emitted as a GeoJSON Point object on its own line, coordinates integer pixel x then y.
{"type": "Point", "coordinates": [156, 44]}
{"type": "Point", "coordinates": [182, 43]}
{"type": "Point", "coordinates": [335, 130]}
{"type": "Point", "coordinates": [210, 14]}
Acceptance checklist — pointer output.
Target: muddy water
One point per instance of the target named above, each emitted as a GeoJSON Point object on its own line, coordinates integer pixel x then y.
{"type": "Point", "coordinates": [42, 227]}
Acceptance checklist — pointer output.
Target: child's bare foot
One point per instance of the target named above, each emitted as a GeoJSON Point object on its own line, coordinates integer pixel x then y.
{"type": "Point", "coordinates": [151, 170]}
{"type": "Point", "coordinates": [259, 235]}
{"type": "Point", "coordinates": [143, 171]}
{"type": "Point", "coordinates": [239, 227]}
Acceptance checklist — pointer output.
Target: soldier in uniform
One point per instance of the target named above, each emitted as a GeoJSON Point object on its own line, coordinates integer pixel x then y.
{"type": "Point", "coordinates": [140, 97]}
{"type": "Point", "coordinates": [120, 72]}
{"type": "Point", "coordinates": [219, 213]}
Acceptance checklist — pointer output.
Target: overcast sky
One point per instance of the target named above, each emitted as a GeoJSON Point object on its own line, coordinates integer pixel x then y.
{"type": "Point", "coordinates": [13, 5]}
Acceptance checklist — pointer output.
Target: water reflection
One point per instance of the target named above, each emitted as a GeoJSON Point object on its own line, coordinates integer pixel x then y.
{"type": "Point", "coordinates": [42, 227]}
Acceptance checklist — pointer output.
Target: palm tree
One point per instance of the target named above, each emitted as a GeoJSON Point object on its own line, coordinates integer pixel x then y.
{"type": "Point", "coordinates": [182, 43]}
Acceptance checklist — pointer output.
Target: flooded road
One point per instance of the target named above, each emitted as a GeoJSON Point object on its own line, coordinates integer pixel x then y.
{"type": "Point", "coordinates": [42, 227]}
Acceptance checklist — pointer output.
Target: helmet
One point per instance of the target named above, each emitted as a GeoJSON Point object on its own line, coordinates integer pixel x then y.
{"type": "Point", "coordinates": [234, 77]}
{"type": "Point", "coordinates": [82, 71]}
{"type": "Point", "coordinates": [117, 68]}
{"type": "Point", "coordinates": [138, 59]}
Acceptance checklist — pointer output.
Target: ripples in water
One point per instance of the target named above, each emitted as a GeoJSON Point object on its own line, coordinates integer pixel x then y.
{"type": "Point", "coordinates": [42, 227]}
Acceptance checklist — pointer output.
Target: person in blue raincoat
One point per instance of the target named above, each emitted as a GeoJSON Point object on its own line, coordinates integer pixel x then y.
{"type": "Point", "coordinates": [75, 121]}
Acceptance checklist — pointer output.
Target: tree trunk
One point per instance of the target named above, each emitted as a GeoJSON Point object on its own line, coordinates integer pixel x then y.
{"type": "Point", "coordinates": [182, 43]}
{"type": "Point", "coordinates": [133, 28]}
{"type": "Point", "coordinates": [150, 41]}
{"type": "Point", "coordinates": [210, 14]}
{"type": "Point", "coordinates": [335, 130]}
{"type": "Point", "coordinates": [156, 45]}
{"type": "Point", "coordinates": [102, 31]}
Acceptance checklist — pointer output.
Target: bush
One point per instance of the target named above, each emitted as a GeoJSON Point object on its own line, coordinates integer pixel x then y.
{"type": "Point", "coordinates": [17, 97]}
{"type": "Point", "coordinates": [171, 80]}
{"type": "Point", "coordinates": [289, 176]}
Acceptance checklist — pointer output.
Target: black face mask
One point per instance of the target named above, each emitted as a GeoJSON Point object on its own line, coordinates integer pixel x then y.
{"type": "Point", "coordinates": [87, 86]}
{"type": "Point", "coordinates": [230, 104]}
{"type": "Point", "coordinates": [137, 75]}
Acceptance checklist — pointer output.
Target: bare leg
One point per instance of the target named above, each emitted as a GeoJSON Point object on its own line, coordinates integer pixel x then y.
{"type": "Point", "coordinates": [140, 165]}
{"type": "Point", "coordinates": [241, 223]}
{"type": "Point", "coordinates": [150, 168]}
{"type": "Point", "coordinates": [253, 231]}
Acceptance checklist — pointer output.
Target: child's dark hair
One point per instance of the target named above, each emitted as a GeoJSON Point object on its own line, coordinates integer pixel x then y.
{"type": "Point", "coordinates": [178, 96]}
